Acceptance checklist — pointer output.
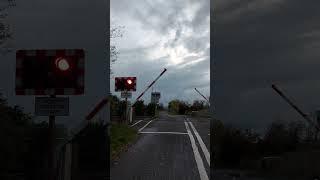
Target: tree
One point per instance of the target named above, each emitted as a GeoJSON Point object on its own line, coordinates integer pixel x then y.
{"type": "Point", "coordinates": [183, 107]}
{"type": "Point", "coordinates": [139, 108]}
{"type": "Point", "coordinates": [178, 107]}
{"type": "Point", "coordinates": [197, 105]}
{"type": "Point", "coordinates": [174, 106]}
{"type": "Point", "coordinates": [295, 130]}
{"type": "Point", "coordinates": [122, 109]}
{"type": "Point", "coordinates": [114, 105]}
{"type": "Point", "coordinates": [150, 109]}
{"type": "Point", "coordinates": [277, 139]}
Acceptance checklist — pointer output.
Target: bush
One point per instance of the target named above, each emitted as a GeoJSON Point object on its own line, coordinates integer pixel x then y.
{"type": "Point", "coordinates": [150, 109]}
{"type": "Point", "coordinates": [140, 108]}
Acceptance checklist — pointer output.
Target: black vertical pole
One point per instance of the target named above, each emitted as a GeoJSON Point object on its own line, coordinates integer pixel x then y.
{"type": "Point", "coordinates": [51, 145]}
{"type": "Point", "coordinates": [126, 110]}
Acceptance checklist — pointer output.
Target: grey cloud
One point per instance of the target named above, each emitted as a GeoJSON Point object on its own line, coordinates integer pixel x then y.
{"type": "Point", "coordinates": [196, 44]}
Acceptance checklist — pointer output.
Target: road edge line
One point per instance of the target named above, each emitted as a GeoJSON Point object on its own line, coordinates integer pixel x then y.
{"type": "Point", "coordinates": [136, 123]}
{"type": "Point", "coordinates": [145, 126]}
{"type": "Point", "coordinates": [202, 171]}
{"type": "Point", "coordinates": [202, 145]}
{"type": "Point", "coordinates": [177, 133]}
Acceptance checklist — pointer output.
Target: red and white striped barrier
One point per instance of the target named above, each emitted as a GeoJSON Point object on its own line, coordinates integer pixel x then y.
{"type": "Point", "coordinates": [149, 86]}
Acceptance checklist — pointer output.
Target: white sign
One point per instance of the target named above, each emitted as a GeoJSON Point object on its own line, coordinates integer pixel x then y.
{"type": "Point", "coordinates": [155, 97]}
{"type": "Point", "coordinates": [126, 94]}
{"type": "Point", "coordinates": [46, 106]}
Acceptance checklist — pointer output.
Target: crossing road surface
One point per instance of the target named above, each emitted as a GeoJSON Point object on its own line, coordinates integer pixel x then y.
{"type": "Point", "coordinates": [169, 148]}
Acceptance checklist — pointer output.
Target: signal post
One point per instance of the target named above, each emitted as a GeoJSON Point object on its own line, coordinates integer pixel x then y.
{"type": "Point", "coordinates": [50, 72]}
{"type": "Point", "coordinates": [126, 85]}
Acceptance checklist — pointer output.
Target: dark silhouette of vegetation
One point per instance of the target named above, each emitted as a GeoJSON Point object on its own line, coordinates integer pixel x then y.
{"type": "Point", "coordinates": [117, 106]}
{"type": "Point", "coordinates": [150, 109]}
{"type": "Point", "coordinates": [139, 108]}
{"type": "Point", "coordinates": [23, 143]}
{"type": "Point", "coordinates": [232, 146]}
{"type": "Point", "coordinates": [181, 107]}
{"type": "Point", "coordinates": [92, 145]}
{"type": "Point", "coordinates": [197, 105]}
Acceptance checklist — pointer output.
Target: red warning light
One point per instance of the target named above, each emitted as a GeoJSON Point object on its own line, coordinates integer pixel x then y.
{"type": "Point", "coordinates": [129, 81]}
{"type": "Point", "coordinates": [62, 64]}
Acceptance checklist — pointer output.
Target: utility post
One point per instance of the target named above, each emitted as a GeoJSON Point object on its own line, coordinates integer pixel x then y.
{"type": "Point", "coordinates": [126, 110]}
{"type": "Point", "coordinates": [51, 140]}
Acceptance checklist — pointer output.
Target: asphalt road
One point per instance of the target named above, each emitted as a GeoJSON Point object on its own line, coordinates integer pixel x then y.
{"type": "Point", "coordinates": [168, 148]}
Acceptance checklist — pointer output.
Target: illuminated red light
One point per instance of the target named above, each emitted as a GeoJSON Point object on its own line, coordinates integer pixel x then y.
{"type": "Point", "coordinates": [62, 64]}
{"type": "Point", "coordinates": [129, 81]}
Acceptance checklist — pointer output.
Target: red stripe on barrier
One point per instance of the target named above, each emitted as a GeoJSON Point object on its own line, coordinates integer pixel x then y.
{"type": "Point", "coordinates": [97, 109]}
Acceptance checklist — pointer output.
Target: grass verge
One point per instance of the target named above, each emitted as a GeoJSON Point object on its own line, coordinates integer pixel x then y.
{"type": "Point", "coordinates": [121, 136]}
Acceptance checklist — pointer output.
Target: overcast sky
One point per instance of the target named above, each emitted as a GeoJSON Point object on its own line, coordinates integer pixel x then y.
{"type": "Point", "coordinates": [258, 42]}
{"type": "Point", "coordinates": [160, 34]}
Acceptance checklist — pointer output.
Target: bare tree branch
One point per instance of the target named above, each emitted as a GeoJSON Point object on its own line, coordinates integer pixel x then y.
{"type": "Point", "coordinates": [115, 32]}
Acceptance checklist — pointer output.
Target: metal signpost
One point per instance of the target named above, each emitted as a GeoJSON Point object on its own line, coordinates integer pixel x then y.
{"type": "Point", "coordinates": [50, 72]}
{"type": "Point", "coordinates": [126, 95]}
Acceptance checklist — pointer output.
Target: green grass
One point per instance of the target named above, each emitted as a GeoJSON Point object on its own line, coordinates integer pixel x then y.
{"type": "Point", "coordinates": [121, 136]}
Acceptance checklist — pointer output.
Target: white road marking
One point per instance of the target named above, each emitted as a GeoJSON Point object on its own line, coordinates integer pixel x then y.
{"type": "Point", "coordinates": [145, 126]}
{"type": "Point", "coordinates": [202, 145]}
{"type": "Point", "coordinates": [201, 169]}
{"type": "Point", "coordinates": [162, 132]}
{"type": "Point", "coordinates": [136, 123]}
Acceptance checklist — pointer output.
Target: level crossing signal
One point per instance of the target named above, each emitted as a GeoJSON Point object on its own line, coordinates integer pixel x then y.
{"type": "Point", "coordinates": [125, 83]}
